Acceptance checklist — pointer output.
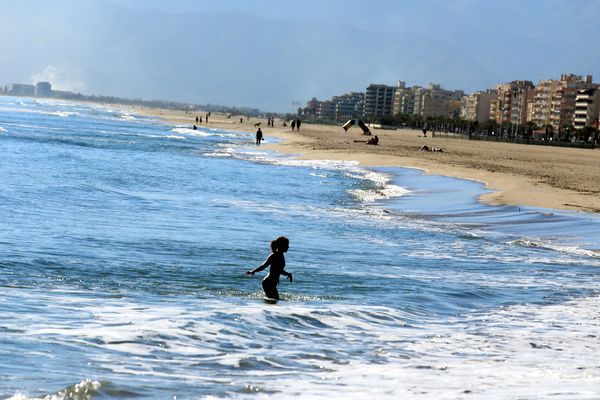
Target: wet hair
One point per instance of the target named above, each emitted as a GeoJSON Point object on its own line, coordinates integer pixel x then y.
{"type": "Point", "coordinates": [278, 243]}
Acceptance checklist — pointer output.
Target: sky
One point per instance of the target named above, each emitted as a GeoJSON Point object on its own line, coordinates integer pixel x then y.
{"type": "Point", "coordinates": [273, 54]}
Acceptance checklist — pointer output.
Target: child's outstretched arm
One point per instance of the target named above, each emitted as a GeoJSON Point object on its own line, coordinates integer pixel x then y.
{"type": "Point", "coordinates": [261, 267]}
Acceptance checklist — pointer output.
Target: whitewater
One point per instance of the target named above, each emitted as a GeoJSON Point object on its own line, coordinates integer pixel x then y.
{"type": "Point", "coordinates": [124, 241]}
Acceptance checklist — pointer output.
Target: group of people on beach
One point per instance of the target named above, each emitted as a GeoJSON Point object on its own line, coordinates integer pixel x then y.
{"type": "Point", "coordinates": [199, 118]}
{"type": "Point", "coordinates": [296, 124]}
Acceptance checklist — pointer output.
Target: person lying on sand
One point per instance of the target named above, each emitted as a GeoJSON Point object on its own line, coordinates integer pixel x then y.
{"type": "Point", "coordinates": [427, 148]}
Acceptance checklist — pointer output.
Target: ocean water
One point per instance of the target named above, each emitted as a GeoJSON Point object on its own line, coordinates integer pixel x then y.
{"type": "Point", "coordinates": [124, 241]}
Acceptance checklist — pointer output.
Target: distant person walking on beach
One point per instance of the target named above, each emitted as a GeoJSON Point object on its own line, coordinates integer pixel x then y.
{"type": "Point", "coordinates": [293, 124]}
{"type": "Point", "coordinates": [259, 136]}
{"type": "Point", "coordinates": [277, 262]}
{"type": "Point", "coordinates": [298, 122]}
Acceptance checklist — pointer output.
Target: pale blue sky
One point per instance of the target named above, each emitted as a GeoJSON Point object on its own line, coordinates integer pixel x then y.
{"type": "Point", "coordinates": [271, 53]}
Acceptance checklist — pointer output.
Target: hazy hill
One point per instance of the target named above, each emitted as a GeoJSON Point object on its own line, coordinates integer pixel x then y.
{"type": "Point", "coordinates": [235, 58]}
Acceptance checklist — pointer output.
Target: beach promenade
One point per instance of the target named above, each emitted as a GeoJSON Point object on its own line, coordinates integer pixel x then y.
{"type": "Point", "coordinates": [529, 175]}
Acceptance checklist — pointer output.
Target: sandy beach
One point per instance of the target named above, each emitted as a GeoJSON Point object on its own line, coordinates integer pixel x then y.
{"type": "Point", "coordinates": [539, 176]}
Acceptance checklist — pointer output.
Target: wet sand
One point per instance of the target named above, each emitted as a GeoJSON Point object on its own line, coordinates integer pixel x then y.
{"type": "Point", "coordinates": [540, 176]}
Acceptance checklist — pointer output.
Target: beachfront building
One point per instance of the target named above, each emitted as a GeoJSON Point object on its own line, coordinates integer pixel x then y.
{"type": "Point", "coordinates": [404, 99]}
{"type": "Point", "coordinates": [350, 105]}
{"type": "Point", "coordinates": [379, 99]}
{"type": "Point", "coordinates": [312, 107]}
{"type": "Point", "coordinates": [339, 108]}
{"type": "Point", "coordinates": [541, 109]}
{"type": "Point", "coordinates": [433, 101]}
{"type": "Point", "coordinates": [587, 108]}
{"type": "Point", "coordinates": [521, 98]}
{"type": "Point", "coordinates": [43, 89]}
{"type": "Point", "coordinates": [408, 101]}
{"type": "Point", "coordinates": [326, 110]}
{"type": "Point", "coordinates": [554, 100]}
{"type": "Point", "coordinates": [563, 102]}
{"type": "Point", "coordinates": [20, 89]}
{"type": "Point", "coordinates": [476, 106]}
{"type": "Point", "coordinates": [439, 102]}
{"type": "Point", "coordinates": [511, 102]}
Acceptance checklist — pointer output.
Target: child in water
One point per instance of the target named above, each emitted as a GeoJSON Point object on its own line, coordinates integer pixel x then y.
{"type": "Point", "coordinates": [277, 262]}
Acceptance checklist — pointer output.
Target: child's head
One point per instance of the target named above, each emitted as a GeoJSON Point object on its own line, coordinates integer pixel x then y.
{"type": "Point", "coordinates": [280, 244]}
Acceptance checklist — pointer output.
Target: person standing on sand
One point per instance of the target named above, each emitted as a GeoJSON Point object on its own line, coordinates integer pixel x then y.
{"type": "Point", "coordinates": [298, 124]}
{"type": "Point", "coordinates": [277, 262]}
{"type": "Point", "coordinates": [259, 136]}
{"type": "Point", "coordinates": [293, 124]}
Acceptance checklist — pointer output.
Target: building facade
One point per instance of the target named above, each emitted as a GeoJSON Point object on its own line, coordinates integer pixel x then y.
{"type": "Point", "coordinates": [439, 102]}
{"type": "Point", "coordinates": [345, 106]}
{"type": "Point", "coordinates": [554, 100]}
{"type": "Point", "coordinates": [349, 105]}
{"type": "Point", "coordinates": [433, 101]}
{"type": "Point", "coordinates": [43, 89]}
{"type": "Point", "coordinates": [511, 102]}
{"type": "Point", "coordinates": [20, 89]}
{"type": "Point", "coordinates": [587, 108]}
{"type": "Point", "coordinates": [476, 106]}
{"type": "Point", "coordinates": [379, 100]}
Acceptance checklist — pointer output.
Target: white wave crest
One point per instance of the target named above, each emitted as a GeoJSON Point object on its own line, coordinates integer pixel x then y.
{"type": "Point", "coordinates": [386, 192]}
{"type": "Point", "coordinates": [2, 129]}
{"type": "Point", "coordinates": [127, 117]}
{"type": "Point", "coordinates": [561, 248]}
{"type": "Point", "coordinates": [83, 390]}
{"type": "Point", "coordinates": [193, 132]}
{"type": "Point", "coordinates": [61, 113]}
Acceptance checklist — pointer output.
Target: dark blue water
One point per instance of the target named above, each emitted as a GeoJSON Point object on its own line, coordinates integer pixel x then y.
{"type": "Point", "coordinates": [124, 241]}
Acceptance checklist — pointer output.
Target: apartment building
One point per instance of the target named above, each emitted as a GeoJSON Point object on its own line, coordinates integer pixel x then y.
{"type": "Point", "coordinates": [349, 105]}
{"type": "Point", "coordinates": [43, 89]}
{"type": "Point", "coordinates": [563, 102]}
{"type": "Point", "coordinates": [326, 110]}
{"type": "Point", "coordinates": [404, 99]}
{"type": "Point", "coordinates": [543, 100]}
{"type": "Point", "coordinates": [476, 106]}
{"type": "Point", "coordinates": [433, 101]}
{"type": "Point", "coordinates": [439, 102]}
{"type": "Point", "coordinates": [587, 108]}
{"type": "Point", "coordinates": [312, 108]}
{"type": "Point", "coordinates": [20, 89]}
{"type": "Point", "coordinates": [554, 100]}
{"type": "Point", "coordinates": [379, 100]}
{"type": "Point", "coordinates": [511, 102]}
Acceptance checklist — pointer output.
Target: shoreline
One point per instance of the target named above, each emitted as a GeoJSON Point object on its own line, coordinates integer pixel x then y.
{"type": "Point", "coordinates": [522, 175]}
